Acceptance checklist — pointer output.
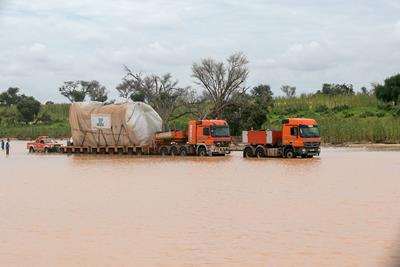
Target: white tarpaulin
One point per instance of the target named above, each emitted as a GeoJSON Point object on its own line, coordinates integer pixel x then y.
{"type": "Point", "coordinates": [96, 124]}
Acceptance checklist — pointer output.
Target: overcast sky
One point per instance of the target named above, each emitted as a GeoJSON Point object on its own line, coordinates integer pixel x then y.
{"type": "Point", "coordinates": [300, 43]}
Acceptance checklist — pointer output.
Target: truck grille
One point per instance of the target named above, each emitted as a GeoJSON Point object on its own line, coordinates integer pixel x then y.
{"type": "Point", "coordinates": [311, 144]}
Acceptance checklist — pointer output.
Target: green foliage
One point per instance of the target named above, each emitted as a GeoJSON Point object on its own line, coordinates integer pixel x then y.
{"type": "Point", "coordinates": [9, 97]}
{"type": "Point", "coordinates": [390, 90]}
{"type": "Point", "coordinates": [322, 108]}
{"type": "Point", "coordinates": [28, 108]}
{"type": "Point", "coordinates": [251, 110]}
{"type": "Point", "coordinates": [336, 89]}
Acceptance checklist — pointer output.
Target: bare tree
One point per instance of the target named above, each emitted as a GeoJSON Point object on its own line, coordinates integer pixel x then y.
{"type": "Point", "coordinates": [162, 93]}
{"type": "Point", "coordinates": [288, 90]}
{"type": "Point", "coordinates": [224, 83]}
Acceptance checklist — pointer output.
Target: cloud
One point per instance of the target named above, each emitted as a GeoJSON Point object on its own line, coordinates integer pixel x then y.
{"type": "Point", "coordinates": [46, 42]}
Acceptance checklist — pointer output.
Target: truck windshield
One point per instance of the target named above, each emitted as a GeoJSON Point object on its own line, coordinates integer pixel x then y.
{"type": "Point", "coordinates": [220, 131]}
{"type": "Point", "coordinates": [309, 131]}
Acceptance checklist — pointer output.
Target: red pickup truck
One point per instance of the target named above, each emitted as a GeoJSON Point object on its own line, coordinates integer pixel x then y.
{"type": "Point", "coordinates": [43, 144]}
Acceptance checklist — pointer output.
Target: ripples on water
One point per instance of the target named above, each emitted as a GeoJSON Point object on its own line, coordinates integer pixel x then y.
{"type": "Point", "coordinates": [341, 209]}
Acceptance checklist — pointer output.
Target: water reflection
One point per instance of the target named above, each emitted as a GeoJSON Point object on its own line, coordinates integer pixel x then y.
{"type": "Point", "coordinates": [98, 210]}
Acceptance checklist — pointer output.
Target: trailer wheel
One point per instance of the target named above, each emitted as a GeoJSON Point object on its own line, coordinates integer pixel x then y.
{"type": "Point", "coordinates": [289, 153]}
{"type": "Point", "coordinates": [248, 152]}
{"type": "Point", "coordinates": [202, 152]}
{"type": "Point", "coordinates": [174, 151]}
{"type": "Point", "coordinates": [183, 151]}
{"type": "Point", "coordinates": [260, 152]}
{"type": "Point", "coordinates": [163, 151]}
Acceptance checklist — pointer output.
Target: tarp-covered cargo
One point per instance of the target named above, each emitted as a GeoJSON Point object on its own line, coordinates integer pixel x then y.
{"type": "Point", "coordinates": [96, 124]}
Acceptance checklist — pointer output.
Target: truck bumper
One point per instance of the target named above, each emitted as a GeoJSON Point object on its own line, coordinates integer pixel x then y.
{"type": "Point", "coordinates": [305, 151]}
{"type": "Point", "coordinates": [215, 150]}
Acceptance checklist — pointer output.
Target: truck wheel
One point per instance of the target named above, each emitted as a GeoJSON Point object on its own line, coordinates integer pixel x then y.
{"type": "Point", "coordinates": [31, 150]}
{"type": "Point", "coordinates": [289, 153]}
{"type": "Point", "coordinates": [164, 151]}
{"type": "Point", "coordinates": [183, 151]}
{"type": "Point", "coordinates": [46, 150]}
{"type": "Point", "coordinates": [247, 152]}
{"type": "Point", "coordinates": [202, 152]}
{"type": "Point", "coordinates": [310, 156]}
{"type": "Point", "coordinates": [260, 152]}
{"type": "Point", "coordinates": [174, 151]}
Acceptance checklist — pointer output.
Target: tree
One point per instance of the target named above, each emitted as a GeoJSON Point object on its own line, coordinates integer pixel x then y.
{"type": "Point", "coordinates": [336, 89]}
{"type": "Point", "coordinates": [288, 90]}
{"type": "Point", "coordinates": [162, 93]}
{"type": "Point", "coordinates": [390, 90]}
{"type": "Point", "coordinates": [28, 108]}
{"type": "Point", "coordinates": [364, 90]}
{"type": "Point", "coordinates": [251, 110]}
{"type": "Point", "coordinates": [10, 97]}
{"type": "Point", "coordinates": [95, 90]}
{"type": "Point", "coordinates": [124, 89]}
{"type": "Point", "coordinates": [223, 82]}
{"type": "Point", "coordinates": [74, 91]}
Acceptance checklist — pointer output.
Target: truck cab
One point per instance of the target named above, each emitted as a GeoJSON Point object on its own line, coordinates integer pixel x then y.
{"type": "Point", "coordinates": [300, 137]}
{"type": "Point", "coordinates": [209, 136]}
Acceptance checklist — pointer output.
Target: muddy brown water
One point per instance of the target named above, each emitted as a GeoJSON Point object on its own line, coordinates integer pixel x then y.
{"type": "Point", "coordinates": [341, 209]}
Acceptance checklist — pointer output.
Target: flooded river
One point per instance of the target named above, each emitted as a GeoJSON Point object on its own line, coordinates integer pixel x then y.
{"type": "Point", "coordinates": [342, 209]}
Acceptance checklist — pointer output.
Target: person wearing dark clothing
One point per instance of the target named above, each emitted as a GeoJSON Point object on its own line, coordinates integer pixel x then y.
{"type": "Point", "coordinates": [7, 148]}
{"type": "Point", "coordinates": [2, 144]}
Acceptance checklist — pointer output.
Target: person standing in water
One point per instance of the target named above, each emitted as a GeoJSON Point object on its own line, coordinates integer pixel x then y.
{"type": "Point", "coordinates": [2, 144]}
{"type": "Point", "coordinates": [8, 147]}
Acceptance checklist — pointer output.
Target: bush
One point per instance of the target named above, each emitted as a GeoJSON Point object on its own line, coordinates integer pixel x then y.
{"type": "Point", "coordinates": [380, 114]}
{"type": "Point", "coordinates": [347, 114]}
{"type": "Point", "coordinates": [322, 108]}
{"type": "Point", "coordinates": [366, 114]}
{"type": "Point", "coordinates": [341, 108]}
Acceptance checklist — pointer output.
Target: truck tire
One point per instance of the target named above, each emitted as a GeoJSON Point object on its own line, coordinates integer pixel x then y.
{"type": "Point", "coordinates": [46, 150]}
{"type": "Point", "coordinates": [248, 152]}
{"type": "Point", "coordinates": [183, 151]}
{"type": "Point", "coordinates": [174, 151]}
{"type": "Point", "coordinates": [31, 150]}
{"type": "Point", "coordinates": [202, 152]}
{"type": "Point", "coordinates": [260, 152]}
{"type": "Point", "coordinates": [163, 151]}
{"type": "Point", "coordinates": [289, 153]}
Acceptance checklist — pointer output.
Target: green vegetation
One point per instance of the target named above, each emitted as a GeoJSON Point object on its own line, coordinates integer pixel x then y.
{"type": "Point", "coordinates": [343, 115]}
{"type": "Point", "coordinates": [53, 122]}
{"type": "Point", "coordinates": [350, 118]}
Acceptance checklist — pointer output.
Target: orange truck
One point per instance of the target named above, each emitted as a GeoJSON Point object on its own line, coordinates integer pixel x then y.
{"type": "Point", "coordinates": [299, 137]}
{"type": "Point", "coordinates": [202, 138]}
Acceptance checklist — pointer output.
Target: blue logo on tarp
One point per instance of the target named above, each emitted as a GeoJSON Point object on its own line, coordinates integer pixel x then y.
{"type": "Point", "coordinates": [100, 122]}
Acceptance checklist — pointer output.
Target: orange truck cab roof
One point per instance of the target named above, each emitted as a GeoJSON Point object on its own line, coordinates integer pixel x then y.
{"type": "Point", "coordinates": [212, 122]}
{"type": "Point", "coordinates": [299, 121]}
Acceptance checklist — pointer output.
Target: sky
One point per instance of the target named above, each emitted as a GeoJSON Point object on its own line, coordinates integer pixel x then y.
{"type": "Point", "coordinates": [288, 42]}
